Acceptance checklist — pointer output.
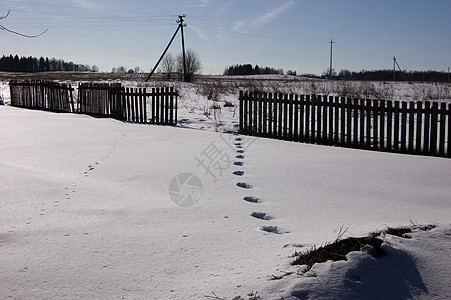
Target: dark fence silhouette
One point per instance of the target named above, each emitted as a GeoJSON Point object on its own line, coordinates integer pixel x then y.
{"type": "Point", "coordinates": [43, 95]}
{"type": "Point", "coordinates": [138, 105]}
{"type": "Point", "coordinates": [422, 128]}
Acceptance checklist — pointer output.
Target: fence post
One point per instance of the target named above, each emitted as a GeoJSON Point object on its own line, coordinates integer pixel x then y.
{"type": "Point", "coordinates": [411, 126]}
{"type": "Point", "coordinates": [396, 128]}
{"type": "Point", "coordinates": [426, 135]}
{"type": "Point", "coordinates": [419, 114]}
{"type": "Point", "coordinates": [376, 124]}
{"type": "Point", "coordinates": [362, 123]}
{"type": "Point", "coordinates": [348, 122]}
{"type": "Point", "coordinates": [313, 120]}
{"type": "Point", "coordinates": [331, 120]}
{"type": "Point", "coordinates": [171, 105]}
{"type": "Point", "coordinates": [285, 116]}
{"type": "Point", "coordinates": [382, 125]}
{"type": "Point", "coordinates": [270, 114]}
{"type": "Point", "coordinates": [302, 105]}
{"type": "Point", "coordinates": [296, 118]}
{"type": "Point", "coordinates": [319, 134]}
{"type": "Point", "coordinates": [280, 100]}
{"type": "Point", "coordinates": [265, 114]}
{"type": "Point", "coordinates": [434, 121]}
{"type": "Point", "coordinates": [355, 139]}
{"type": "Point", "coordinates": [260, 114]}
{"type": "Point", "coordinates": [290, 118]}
{"type": "Point", "coordinates": [403, 126]}
{"type": "Point", "coordinates": [325, 120]}
{"type": "Point", "coordinates": [442, 129]}
{"type": "Point", "coordinates": [389, 125]}
{"type": "Point", "coordinates": [448, 148]}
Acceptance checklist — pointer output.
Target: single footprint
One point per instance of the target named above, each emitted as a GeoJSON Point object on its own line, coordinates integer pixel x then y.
{"type": "Point", "coordinates": [271, 229]}
{"type": "Point", "coordinates": [238, 163]}
{"type": "Point", "coordinates": [238, 173]}
{"type": "Point", "coordinates": [238, 139]}
{"type": "Point", "coordinates": [261, 215]}
{"type": "Point", "coordinates": [244, 185]}
{"type": "Point", "coordinates": [239, 151]}
{"type": "Point", "coordinates": [240, 156]}
{"type": "Point", "coordinates": [251, 199]}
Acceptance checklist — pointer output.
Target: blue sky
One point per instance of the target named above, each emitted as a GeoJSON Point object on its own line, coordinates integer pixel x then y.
{"type": "Point", "coordinates": [287, 34]}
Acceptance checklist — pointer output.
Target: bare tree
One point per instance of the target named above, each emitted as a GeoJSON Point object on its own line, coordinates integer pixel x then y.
{"type": "Point", "coordinates": [18, 33]}
{"type": "Point", "coordinates": [192, 64]}
{"type": "Point", "coordinates": [167, 65]}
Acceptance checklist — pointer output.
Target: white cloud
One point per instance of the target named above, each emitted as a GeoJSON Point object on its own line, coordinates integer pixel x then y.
{"type": "Point", "coordinates": [266, 17]}
{"type": "Point", "coordinates": [238, 25]}
{"type": "Point", "coordinates": [199, 32]}
{"type": "Point", "coordinates": [273, 13]}
{"type": "Point", "coordinates": [86, 4]}
{"type": "Point", "coordinates": [204, 2]}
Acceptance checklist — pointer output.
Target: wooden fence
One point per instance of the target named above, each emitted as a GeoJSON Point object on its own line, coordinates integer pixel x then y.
{"type": "Point", "coordinates": [422, 128]}
{"type": "Point", "coordinates": [138, 105]}
{"type": "Point", "coordinates": [43, 95]}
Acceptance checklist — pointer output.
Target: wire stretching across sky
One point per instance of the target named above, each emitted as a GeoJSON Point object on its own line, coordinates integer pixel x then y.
{"type": "Point", "coordinates": [40, 16]}
{"type": "Point", "coordinates": [249, 32]}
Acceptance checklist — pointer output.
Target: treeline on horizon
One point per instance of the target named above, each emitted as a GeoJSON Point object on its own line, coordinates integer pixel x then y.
{"type": "Point", "coordinates": [32, 65]}
{"type": "Point", "coordinates": [248, 69]}
{"type": "Point", "coordinates": [377, 75]}
{"type": "Point", "coordinates": [387, 75]}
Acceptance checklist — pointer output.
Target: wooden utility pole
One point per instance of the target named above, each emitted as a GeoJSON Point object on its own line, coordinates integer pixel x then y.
{"type": "Point", "coordinates": [394, 68]}
{"type": "Point", "coordinates": [181, 25]}
{"type": "Point", "coordinates": [395, 63]}
{"type": "Point", "coordinates": [330, 68]}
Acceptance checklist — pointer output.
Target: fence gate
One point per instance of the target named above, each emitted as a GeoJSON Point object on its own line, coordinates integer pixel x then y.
{"type": "Point", "coordinates": [100, 99]}
{"type": "Point", "coordinates": [138, 105]}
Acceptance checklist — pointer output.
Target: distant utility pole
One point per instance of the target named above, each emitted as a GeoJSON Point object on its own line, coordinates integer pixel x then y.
{"type": "Point", "coordinates": [181, 25]}
{"type": "Point", "coordinates": [394, 68]}
{"type": "Point", "coordinates": [395, 63]}
{"type": "Point", "coordinates": [330, 68]}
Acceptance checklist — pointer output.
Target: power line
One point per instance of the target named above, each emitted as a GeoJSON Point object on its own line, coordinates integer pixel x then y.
{"type": "Point", "coordinates": [18, 33]}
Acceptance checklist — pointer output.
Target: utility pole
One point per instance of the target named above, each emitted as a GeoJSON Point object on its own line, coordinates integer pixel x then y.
{"type": "Point", "coordinates": [182, 24]}
{"type": "Point", "coordinates": [330, 68]}
{"type": "Point", "coordinates": [395, 63]}
{"type": "Point", "coordinates": [394, 68]}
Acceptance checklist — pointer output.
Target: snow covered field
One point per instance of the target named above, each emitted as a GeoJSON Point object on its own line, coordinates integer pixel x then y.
{"type": "Point", "coordinates": [87, 211]}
